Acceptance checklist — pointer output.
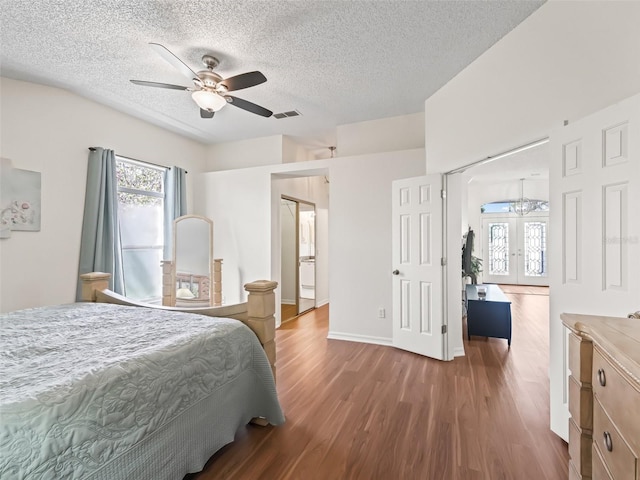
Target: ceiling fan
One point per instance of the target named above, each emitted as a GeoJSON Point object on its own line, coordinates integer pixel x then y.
{"type": "Point", "coordinates": [210, 89]}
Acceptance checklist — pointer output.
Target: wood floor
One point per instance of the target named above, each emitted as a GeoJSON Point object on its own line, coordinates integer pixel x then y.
{"type": "Point", "coordinates": [359, 411]}
{"type": "Point", "coordinates": [288, 312]}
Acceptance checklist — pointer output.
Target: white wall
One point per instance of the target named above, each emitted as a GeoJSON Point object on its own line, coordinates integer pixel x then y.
{"type": "Point", "coordinates": [392, 134]}
{"type": "Point", "coordinates": [262, 151]}
{"type": "Point", "coordinates": [360, 242]}
{"type": "Point", "coordinates": [566, 60]}
{"type": "Point", "coordinates": [295, 151]}
{"type": "Point", "coordinates": [49, 130]}
{"type": "Point", "coordinates": [244, 153]}
{"type": "Point", "coordinates": [238, 203]}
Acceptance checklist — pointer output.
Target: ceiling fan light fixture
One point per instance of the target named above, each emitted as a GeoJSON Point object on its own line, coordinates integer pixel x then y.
{"type": "Point", "coordinates": [209, 101]}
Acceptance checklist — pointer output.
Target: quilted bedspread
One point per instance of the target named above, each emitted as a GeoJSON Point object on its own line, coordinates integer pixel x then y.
{"type": "Point", "coordinates": [81, 384]}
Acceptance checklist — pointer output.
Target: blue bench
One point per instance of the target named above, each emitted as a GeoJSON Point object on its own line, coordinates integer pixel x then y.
{"type": "Point", "coordinates": [488, 316]}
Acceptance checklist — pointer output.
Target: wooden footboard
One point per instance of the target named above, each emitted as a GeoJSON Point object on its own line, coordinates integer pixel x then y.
{"type": "Point", "coordinates": [257, 313]}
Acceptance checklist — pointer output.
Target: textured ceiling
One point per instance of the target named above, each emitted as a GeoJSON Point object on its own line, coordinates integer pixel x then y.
{"type": "Point", "coordinates": [336, 62]}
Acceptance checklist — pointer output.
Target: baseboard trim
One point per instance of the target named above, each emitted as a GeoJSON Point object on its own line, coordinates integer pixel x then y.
{"type": "Point", "coordinates": [321, 303]}
{"type": "Point", "coordinates": [286, 301]}
{"type": "Point", "coordinates": [458, 352]}
{"type": "Point", "coordinates": [350, 337]}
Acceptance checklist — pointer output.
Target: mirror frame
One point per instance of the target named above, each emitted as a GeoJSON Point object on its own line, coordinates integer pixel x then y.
{"type": "Point", "coordinates": [174, 270]}
{"type": "Point", "coordinates": [299, 309]}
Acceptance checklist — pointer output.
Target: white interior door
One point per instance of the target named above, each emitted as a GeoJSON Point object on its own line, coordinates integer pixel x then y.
{"type": "Point", "coordinates": [595, 230]}
{"type": "Point", "coordinates": [417, 275]}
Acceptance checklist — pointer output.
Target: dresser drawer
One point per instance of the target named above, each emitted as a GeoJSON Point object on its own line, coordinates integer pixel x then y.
{"type": "Point", "coordinates": [598, 470]}
{"type": "Point", "coordinates": [580, 355]}
{"type": "Point", "coordinates": [581, 404]}
{"type": "Point", "coordinates": [579, 450]}
{"type": "Point", "coordinates": [617, 455]}
{"type": "Point", "coordinates": [573, 473]}
{"type": "Point", "coordinates": [620, 400]}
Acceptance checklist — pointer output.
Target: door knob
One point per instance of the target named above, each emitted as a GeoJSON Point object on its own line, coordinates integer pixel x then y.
{"type": "Point", "coordinates": [396, 272]}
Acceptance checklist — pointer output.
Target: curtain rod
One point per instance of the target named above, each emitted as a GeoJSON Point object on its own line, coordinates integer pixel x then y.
{"type": "Point", "coordinates": [93, 149]}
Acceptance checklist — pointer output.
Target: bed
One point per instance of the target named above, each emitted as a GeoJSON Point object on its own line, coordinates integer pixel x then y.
{"type": "Point", "coordinates": [114, 390]}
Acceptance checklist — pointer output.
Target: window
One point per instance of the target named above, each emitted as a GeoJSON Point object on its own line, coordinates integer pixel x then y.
{"type": "Point", "coordinates": [513, 206]}
{"type": "Point", "coordinates": [141, 216]}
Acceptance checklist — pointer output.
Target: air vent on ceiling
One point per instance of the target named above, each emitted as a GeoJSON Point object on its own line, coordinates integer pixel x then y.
{"type": "Point", "coordinates": [291, 113]}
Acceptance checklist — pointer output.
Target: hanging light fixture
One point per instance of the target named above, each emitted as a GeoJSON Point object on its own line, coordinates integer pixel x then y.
{"type": "Point", "coordinates": [208, 100]}
{"type": "Point", "coordinates": [522, 206]}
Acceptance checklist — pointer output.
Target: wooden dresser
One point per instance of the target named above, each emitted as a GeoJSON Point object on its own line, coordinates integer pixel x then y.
{"type": "Point", "coordinates": [604, 397]}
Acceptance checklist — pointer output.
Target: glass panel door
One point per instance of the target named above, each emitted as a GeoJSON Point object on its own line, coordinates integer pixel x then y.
{"type": "Point", "coordinates": [533, 251]}
{"type": "Point", "coordinates": [498, 248]}
{"type": "Point", "coordinates": [515, 250]}
{"type": "Point", "coordinates": [500, 242]}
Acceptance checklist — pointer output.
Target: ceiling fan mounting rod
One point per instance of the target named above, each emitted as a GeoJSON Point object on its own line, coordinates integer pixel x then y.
{"type": "Point", "coordinates": [210, 61]}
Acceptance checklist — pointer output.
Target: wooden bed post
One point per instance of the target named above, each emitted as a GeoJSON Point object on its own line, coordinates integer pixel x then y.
{"type": "Point", "coordinates": [261, 307]}
{"type": "Point", "coordinates": [216, 278]}
{"type": "Point", "coordinates": [168, 284]}
{"type": "Point", "coordinates": [93, 282]}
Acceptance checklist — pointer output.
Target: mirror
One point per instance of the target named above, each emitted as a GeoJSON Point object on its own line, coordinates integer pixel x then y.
{"type": "Point", "coordinates": [306, 256]}
{"type": "Point", "coordinates": [193, 261]}
{"type": "Point", "coordinates": [298, 251]}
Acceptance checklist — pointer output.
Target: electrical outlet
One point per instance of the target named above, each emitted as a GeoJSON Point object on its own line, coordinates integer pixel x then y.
{"type": "Point", "coordinates": [381, 312]}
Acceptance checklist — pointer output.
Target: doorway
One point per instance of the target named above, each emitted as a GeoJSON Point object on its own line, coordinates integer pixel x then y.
{"type": "Point", "coordinates": [515, 249]}
{"type": "Point", "coordinates": [497, 180]}
{"type": "Point", "coordinates": [298, 256]}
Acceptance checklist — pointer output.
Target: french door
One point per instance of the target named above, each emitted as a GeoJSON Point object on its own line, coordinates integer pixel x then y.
{"type": "Point", "coordinates": [515, 250]}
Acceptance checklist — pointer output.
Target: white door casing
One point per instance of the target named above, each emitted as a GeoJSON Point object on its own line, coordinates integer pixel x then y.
{"type": "Point", "coordinates": [418, 273]}
{"type": "Point", "coordinates": [595, 230]}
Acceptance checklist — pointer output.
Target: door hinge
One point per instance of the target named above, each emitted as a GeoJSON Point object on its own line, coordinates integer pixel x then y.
{"type": "Point", "coordinates": [443, 261]}
{"type": "Point", "coordinates": [443, 194]}
{"type": "Point", "coordinates": [444, 329]}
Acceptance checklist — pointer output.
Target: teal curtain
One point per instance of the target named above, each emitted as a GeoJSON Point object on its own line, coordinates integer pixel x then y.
{"type": "Point", "coordinates": [100, 247]}
{"type": "Point", "coordinates": [175, 205]}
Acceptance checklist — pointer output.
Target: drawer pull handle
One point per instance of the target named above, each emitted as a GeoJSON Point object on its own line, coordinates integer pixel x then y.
{"type": "Point", "coordinates": [607, 441]}
{"type": "Point", "coordinates": [602, 377]}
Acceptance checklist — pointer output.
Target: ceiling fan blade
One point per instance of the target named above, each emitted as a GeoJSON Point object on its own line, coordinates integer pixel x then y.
{"type": "Point", "coordinates": [173, 60]}
{"type": "Point", "coordinates": [206, 113]}
{"type": "Point", "coordinates": [248, 106]}
{"type": "Point", "coordinates": [158, 85]}
{"type": "Point", "coordinates": [244, 80]}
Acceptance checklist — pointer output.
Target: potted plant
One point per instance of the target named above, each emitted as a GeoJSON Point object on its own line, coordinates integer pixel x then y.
{"type": "Point", "coordinates": [471, 265]}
